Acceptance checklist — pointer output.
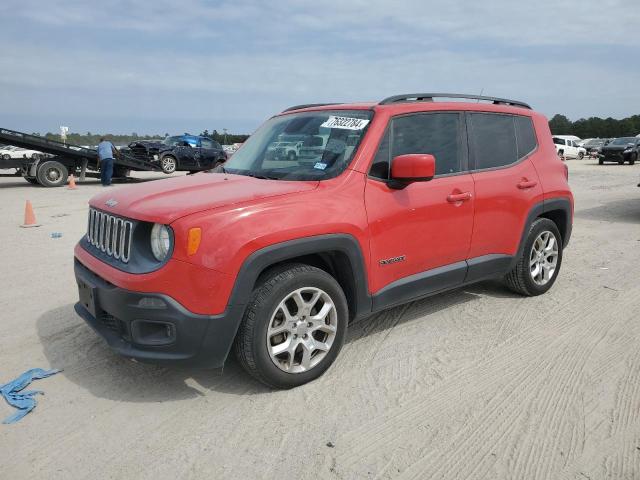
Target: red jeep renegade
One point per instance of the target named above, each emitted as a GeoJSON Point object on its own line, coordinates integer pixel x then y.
{"type": "Point", "coordinates": [329, 212]}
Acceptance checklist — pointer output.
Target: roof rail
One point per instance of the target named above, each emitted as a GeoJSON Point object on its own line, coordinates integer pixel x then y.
{"type": "Point", "coordinates": [428, 97]}
{"type": "Point", "coordinates": [308, 105]}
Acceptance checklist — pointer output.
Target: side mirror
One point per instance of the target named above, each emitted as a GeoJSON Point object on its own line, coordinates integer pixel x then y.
{"type": "Point", "coordinates": [413, 167]}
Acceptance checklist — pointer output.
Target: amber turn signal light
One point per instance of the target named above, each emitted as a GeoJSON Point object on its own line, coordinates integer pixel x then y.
{"type": "Point", "coordinates": [193, 241]}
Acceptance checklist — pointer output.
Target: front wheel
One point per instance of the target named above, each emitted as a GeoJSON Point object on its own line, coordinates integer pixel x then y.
{"type": "Point", "coordinates": [580, 155]}
{"type": "Point", "coordinates": [294, 326]}
{"type": "Point", "coordinates": [169, 164]}
{"type": "Point", "coordinates": [539, 264]}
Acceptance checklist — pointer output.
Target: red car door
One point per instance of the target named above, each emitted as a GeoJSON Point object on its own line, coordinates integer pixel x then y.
{"type": "Point", "coordinates": [420, 235]}
{"type": "Point", "coordinates": [506, 187]}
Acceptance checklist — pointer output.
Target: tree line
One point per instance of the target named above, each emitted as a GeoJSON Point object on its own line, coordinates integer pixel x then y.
{"type": "Point", "coordinates": [92, 139]}
{"type": "Point", "coordinates": [595, 127]}
{"type": "Point", "coordinates": [591, 127]}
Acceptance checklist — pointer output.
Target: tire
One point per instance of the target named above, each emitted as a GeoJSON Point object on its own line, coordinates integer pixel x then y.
{"type": "Point", "coordinates": [52, 174]}
{"type": "Point", "coordinates": [600, 161]}
{"type": "Point", "coordinates": [580, 155]}
{"type": "Point", "coordinates": [620, 162]}
{"type": "Point", "coordinates": [254, 343]}
{"type": "Point", "coordinates": [169, 164]}
{"type": "Point", "coordinates": [521, 278]}
{"type": "Point", "coordinates": [632, 159]}
{"type": "Point", "coordinates": [31, 180]}
{"type": "Point", "coordinates": [6, 156]}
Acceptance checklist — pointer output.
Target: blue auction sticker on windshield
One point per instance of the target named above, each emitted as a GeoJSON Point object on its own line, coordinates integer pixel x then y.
{"type": "Point", "coordinates": [320, 166]}
{"type": "Point", "coordinates": [345, 123]}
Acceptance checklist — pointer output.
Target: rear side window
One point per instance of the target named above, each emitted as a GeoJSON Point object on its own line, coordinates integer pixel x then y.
{"type": "Point", "coordinates": [558, 141]}
{"type": "Point", "coordinates": [525, 136]}
{"type": "Point", "coordinates": [435, 133]}
{"type": "Point", "coordinates": [499, 140]}
{"type": "Point", "coordinates": [492, 140]}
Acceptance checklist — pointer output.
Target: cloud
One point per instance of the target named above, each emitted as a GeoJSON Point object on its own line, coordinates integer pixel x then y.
{"type": "Point", "coordinates": [140, 63]}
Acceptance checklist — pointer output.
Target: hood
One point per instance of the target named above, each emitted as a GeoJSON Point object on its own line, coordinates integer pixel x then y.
{"type": "Point", "coordinates": [164, 201]}
{"type": "Point", "coordinates": [149, 144]}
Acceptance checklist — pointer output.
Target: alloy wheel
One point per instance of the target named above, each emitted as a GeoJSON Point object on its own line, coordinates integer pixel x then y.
{"type": "Point", "coordinates": [168, 165]}
{"type": "Point", "coordinates": [543, 258]}
{"type": "Point", "coordinates": [302, 330]}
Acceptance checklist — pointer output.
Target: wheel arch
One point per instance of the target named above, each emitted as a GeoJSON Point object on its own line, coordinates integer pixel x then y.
{"type": "Point", "coordinates": [338, 254]}
{"type": "Point", "coordinates": [558, 210]}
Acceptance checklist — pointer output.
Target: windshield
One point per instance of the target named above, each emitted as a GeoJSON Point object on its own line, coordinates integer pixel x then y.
{"type": "Point", "coordinates": [623, 141]}
{"type": "Point", "coordinates": [172, 141]}
{"type": "Point", "coordinates": [303, 146]}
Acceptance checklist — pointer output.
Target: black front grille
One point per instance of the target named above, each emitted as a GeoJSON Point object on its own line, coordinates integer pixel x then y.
{"type": "Point", "coordinates": [140, 152]}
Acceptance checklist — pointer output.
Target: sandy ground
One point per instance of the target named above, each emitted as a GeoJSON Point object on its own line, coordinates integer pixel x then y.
{"type": "Point", "coordinates": [476, 383]}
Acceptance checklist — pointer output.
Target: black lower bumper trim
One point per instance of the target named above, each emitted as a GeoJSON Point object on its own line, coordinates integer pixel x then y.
{"type": "Point", "coordinates": [116, 315]}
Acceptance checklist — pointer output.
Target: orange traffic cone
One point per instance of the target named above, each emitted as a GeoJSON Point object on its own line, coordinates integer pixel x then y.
{"type": "Point", "coordinates": [29, 216]}
{"type": "Point", "coordinates": [72, 183]}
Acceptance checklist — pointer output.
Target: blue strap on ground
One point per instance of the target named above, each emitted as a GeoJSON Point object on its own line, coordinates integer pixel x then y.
{"type": "Point", "coordinates": [23, 401]}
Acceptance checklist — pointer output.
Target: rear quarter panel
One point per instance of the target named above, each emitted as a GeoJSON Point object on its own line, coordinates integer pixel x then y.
{"type": "Point", "coordinates": [551, 170]}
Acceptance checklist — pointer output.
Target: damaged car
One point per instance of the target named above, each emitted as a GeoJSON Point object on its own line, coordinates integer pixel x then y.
{"type": "Point", "coordinates": [186, 152]}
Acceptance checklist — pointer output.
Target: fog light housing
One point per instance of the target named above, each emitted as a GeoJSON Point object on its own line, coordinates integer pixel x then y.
{"type": "Point", "coordinates": [147, 332]}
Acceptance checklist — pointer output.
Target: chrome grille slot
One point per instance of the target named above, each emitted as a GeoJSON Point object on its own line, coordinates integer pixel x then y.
{"type": "Point", "coordinates": [110, 234]}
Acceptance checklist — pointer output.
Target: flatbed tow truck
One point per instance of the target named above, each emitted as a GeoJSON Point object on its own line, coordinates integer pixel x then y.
{"type": "Point", "coordinates": [62, 159]}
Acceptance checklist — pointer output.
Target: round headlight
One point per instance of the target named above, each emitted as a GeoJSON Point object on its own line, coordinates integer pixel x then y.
{"type": "Point", "coordinates": [160, 241]}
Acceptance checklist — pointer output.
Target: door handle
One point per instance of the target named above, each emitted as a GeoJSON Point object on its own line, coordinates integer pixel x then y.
{"type": "Point", "coordinates": [524, 184]}
{"type": "Point", "coordinates": [458, 197]}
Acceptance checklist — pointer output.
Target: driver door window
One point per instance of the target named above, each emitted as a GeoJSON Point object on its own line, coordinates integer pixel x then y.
{"type": "Point", "coordinates": [438, 134]}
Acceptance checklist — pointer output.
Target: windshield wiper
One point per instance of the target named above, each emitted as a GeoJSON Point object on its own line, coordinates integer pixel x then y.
{"type": "Point", "coordinates": [262, 177]}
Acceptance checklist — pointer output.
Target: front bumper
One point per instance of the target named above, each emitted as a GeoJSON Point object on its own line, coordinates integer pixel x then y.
{"type": "Point", "coordinates": [152, 327]}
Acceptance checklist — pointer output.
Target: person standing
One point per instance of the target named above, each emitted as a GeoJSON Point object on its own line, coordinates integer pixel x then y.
{"type": "Point", "coordinates": [106, 153]}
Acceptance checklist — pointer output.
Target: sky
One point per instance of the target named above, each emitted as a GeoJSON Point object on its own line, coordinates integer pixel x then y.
{"type": "Point", "coordinates": [184, 66]}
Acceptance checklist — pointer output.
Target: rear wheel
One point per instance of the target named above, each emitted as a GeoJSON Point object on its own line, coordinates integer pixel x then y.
{"type": "Point", "coordinates": [169, 164]}
{"type": "Point", "coordinates": [539, 264]}
{"type": "Point", "coordinates": [52, 174]}
{"type": "Point", "coordinates": [294, 326]}
{"type": "Point", "coordinates": [620, 162]}
{"type": "Point", "coordinates": [600, 161]}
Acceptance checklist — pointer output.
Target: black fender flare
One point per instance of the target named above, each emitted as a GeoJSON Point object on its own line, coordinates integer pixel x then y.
{"type": "Point", "coordinates": [258, 261]}
{"type": "Point", "coordinates": [540, 209]}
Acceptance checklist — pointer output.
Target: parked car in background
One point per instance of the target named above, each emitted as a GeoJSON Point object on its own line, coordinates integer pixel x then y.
{"type": "Point", "coordinates": [186, 152]}
{"type": "Point", "coordinates": [594, 145]}
{"type": "Point", "coordinates": [567, 148]}
{"type": "Point", "coordinates": [620, 150]}
{"type": "Point", "coordinates": [274, 258]}
{"type": "Point", "coordinates": [11, 152]}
